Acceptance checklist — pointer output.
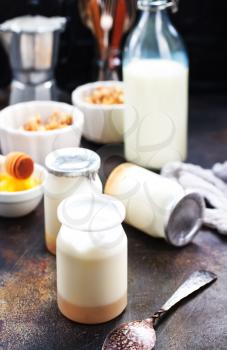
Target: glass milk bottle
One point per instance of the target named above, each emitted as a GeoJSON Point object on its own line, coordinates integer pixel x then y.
{"type": "Point", "coordinates": [156, 89]}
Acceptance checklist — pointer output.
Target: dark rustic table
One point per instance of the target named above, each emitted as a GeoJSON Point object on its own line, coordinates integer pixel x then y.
{"type": "Point", "coordinates": [29, 317]}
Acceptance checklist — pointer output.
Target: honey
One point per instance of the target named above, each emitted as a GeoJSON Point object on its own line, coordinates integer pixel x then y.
{"type": "Point", "coordinates": [11, 184]}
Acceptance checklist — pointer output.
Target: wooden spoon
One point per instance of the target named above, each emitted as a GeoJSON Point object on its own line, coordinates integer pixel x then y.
{"type": "Point", "coordinates": [19, 165]}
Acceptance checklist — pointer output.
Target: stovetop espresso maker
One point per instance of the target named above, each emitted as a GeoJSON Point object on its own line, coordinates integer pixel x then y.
{"type": "Point", "coordinates": [32, 44]}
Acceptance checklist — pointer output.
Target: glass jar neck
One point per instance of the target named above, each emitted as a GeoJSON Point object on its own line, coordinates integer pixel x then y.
{"type": "Point", "coordinates": [154, 18]}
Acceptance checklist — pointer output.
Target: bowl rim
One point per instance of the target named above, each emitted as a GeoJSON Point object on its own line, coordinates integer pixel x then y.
{"type": "Point", "coordinates": [15, 196]}
{"type": "Point", "coordinates": [79, 102]}
{"type": "Point", "coordinates": [78, 121]}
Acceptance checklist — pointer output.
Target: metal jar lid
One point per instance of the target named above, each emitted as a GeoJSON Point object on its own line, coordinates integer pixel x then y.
{"type": "Point", "coordinates": [73, 162]}
{"type": "Point", "coordinates": [185, 220]}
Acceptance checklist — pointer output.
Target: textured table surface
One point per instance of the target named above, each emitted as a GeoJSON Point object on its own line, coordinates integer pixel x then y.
{"type": "Point", "coordinates": [29, 318]}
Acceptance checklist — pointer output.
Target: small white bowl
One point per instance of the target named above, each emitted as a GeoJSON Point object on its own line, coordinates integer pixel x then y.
{"type": "Point", "coordinates": [17, 204]}
{"type": "Point", "coordinates": [102, 123]}
{"type": "Point", "coordinates": [38, 143]}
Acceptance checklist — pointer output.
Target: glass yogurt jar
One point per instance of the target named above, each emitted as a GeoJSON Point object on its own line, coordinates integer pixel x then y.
{"type": "Point", "coordinates": [156, 205]}
{"type": "Point", "coordinates": [71, 171]}
{"type": "Point", "coordinates": [91, 259]}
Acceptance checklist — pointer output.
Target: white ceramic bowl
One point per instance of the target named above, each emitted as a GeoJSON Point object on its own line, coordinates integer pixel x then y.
{"type": "Point", "coordinates": [17, 204]}
{"type": "Point", "coordinates": [38, 143]}
{"type": "Point", "coordinates": [102, 123]}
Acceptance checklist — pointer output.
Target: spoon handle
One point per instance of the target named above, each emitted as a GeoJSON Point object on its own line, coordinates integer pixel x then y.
{"type": "Point", "coordinates": [195, 281]}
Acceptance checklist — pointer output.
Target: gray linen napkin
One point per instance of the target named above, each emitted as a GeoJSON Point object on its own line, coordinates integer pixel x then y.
{"type": "Point", "coordinates": [209, 183]}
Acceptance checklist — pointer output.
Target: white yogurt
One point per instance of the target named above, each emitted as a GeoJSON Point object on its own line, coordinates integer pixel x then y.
{"type": "Point", "coordinates": [156, 205]}
{"type": "Point", "coordinates": [71, 171]}
{"type": "Point", "coordinates": [91, 259]}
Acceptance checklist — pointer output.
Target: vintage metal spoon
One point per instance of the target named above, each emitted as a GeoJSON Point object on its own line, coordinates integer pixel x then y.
{"type": "Point", "coordinates": [140, 335]}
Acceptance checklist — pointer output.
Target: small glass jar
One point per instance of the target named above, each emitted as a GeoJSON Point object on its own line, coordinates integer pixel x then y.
{"type": "Point", "coordinates": [156, 205]}
{"type": "Point", "coordinates": [71, 171]}
{"type": "Point", "coordinates": [91, 259]}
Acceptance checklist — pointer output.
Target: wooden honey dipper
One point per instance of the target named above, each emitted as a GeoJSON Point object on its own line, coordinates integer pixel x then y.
{"type": "Point", "coordinates": [19, 165]}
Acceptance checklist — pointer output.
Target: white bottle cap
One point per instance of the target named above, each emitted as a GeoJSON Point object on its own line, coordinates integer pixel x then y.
{"type": "Point", "coordinates": [91, 212]}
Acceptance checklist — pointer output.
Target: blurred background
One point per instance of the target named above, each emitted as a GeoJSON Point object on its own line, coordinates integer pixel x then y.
{"type": "Point", "coordinates": [202, 24]}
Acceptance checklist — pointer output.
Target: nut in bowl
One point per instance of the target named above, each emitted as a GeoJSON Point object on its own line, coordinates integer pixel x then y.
{"type": "Point", "coordinates": [103, 106]}
{"type": "Point", "coordinates": [40, 127]}
{"type": "Point", "coordinates": [20, 195]}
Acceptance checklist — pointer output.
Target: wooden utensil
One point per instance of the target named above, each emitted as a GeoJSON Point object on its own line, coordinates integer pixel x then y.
{"type": "Point", "coordinates": [19, 165]}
